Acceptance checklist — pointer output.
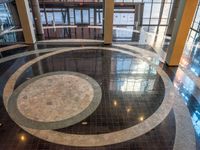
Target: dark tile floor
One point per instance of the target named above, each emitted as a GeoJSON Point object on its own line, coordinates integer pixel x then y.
{"type": "Point", "coordinates": [160, 138]}
{"type": "Point", "coordinates": [132, 91]}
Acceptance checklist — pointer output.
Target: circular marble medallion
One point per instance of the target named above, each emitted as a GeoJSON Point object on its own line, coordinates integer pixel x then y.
{"type": "Point", "coordinates": [55, 100]}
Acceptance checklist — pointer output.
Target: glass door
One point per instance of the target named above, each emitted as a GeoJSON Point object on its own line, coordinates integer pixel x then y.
{"type": "Point", "coordinates": [82, 17]}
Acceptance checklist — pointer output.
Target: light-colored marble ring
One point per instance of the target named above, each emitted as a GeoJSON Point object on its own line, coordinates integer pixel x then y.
{"type": "Point", "coordinates": [99, 139]}
{"type": "Point", "coordinates": [53, 105]}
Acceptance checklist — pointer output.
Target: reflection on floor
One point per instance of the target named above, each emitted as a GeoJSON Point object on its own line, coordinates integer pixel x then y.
{"type": "Point", "coordinates": [190, 94]}
{"type": "Point", "coordinates": [132, 91]}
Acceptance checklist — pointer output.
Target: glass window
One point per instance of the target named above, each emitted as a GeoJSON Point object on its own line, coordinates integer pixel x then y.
{"type": "Point", "coordinates": [155, 10]}
{"type": "Point", "coordinates": [124, 18]}
{"type": "Point", "coordinates": [193, 33]}
{"type": "Point", "coordinates": [71, 15]}
{"type": "Point", "coordinates": [50, 17]}
{"type": "Point", "coordinates": [91, 16]}
{"type": "Point", "coordinates": [85, 16]}
{"type": "Point", "coordinates": [58, 18]}
{"type": "Point", "coordinates": [147, 10]}
{"type": "Point", "coordinates": [157, 1]}
{"type": "Point", "coordinates": [168, 1]}
{"type": "Point", "coordinates": [42, 17]}
{"type": "Point", "coordinates": [147, 0]}
{"type": "Point", "coordinates": [154, 21]}
{"type": "Point", "coordinates": [137, 1]}
{"type": "Point", "coordinates": [5, 17]}
{"type": "Point", "coordinates": [195, 25]}
{"type": "Point", "coordinates": [99, 17]}
{"type": "Point", "coordinates": [78, 16]}
{"type": "Point", "coordinates": [146, 21]}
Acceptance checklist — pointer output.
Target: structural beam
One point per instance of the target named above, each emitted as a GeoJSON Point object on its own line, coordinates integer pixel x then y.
{"type": "Point", "coordinates": [108, 21]}
{"type": "Point", "coordinates": [25, 19]}
{"type": "Point", "coordinates": [182, 25]}
{"type": "Point", "coordinates": [37, 19]}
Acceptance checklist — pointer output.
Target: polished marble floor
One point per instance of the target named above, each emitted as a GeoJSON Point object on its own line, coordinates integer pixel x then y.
{"type": "Point", "coordinates": [133, 90]}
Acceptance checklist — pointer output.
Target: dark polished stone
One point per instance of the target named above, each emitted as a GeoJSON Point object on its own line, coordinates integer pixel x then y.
{"type": "Point", "coordinates": [132, 91]}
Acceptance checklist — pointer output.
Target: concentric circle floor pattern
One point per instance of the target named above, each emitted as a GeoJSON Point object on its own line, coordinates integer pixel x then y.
{"type": "Point", "coordinates": [83, 140]}
{"type": "Point", "coordinates": [132, 91]}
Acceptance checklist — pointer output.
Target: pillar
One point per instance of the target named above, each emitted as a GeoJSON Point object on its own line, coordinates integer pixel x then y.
{"type": "Point", "coordinates": [172, 19]}
{"type": "Point", "coordinates": [108, 21]}
{"type": "Point", "coordinates": [138, 15]}
{"type": "Point", "coordinates": [182, 25]}
{"type": "Point", "coordinates": [37, 19]}
{"type": "Point", "coordinates": [25, 19]}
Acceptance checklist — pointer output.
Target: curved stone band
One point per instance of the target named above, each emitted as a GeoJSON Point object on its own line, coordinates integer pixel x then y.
{"type": "Point", "coordinates": [99, 139]}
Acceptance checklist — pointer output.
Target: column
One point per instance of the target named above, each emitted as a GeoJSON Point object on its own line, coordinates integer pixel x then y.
{"type": "Point", "coordinates": [25, 19]}
{"type": "Point", "coordinates": [173, 17]}
{"type": "Point", "coordinates": [138, 15]}
{"type": "Point", "coordinates": [182, 25]}
{"type": "Point", "coordinates": [108, 21]}
{"type": "Point", "coordinates": [37, 19]}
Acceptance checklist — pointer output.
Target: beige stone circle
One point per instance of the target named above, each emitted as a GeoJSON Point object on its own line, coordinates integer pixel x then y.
{"type": "Point", "coordinates": [55, 98]}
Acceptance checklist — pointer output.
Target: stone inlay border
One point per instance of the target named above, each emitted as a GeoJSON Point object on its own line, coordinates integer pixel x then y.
{"type": "Point", "coordinates": [19, 55]}
{"type": "Point", "coordinates": [24, 121]}
{"type": "Point", "coordinates": [11, 47]}
{"type": "Point", "coordinates": [99, 139]}
{"type": "Point", "coordinates": [185, 134]}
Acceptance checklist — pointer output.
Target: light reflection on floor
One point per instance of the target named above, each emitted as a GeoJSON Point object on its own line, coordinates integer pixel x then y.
{"type": "Point", "coordinates": [128, 75]}
{"type": "Point", "coordinates": [186, 88]}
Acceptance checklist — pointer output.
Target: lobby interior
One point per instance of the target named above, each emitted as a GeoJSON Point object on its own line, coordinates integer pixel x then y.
{"type": "Point", "coordinates": [99, 75]}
